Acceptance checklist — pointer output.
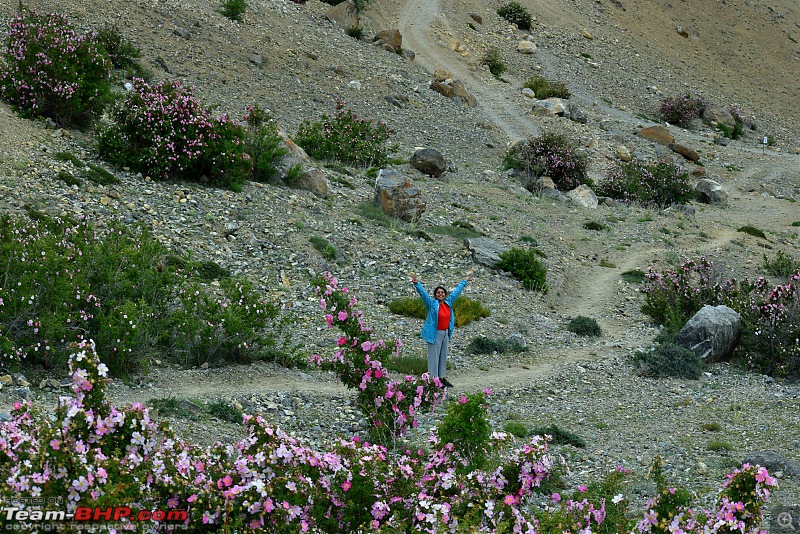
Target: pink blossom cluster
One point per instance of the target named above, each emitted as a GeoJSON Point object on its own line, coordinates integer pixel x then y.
{"type": "Point", "coordinates": [391, 406]}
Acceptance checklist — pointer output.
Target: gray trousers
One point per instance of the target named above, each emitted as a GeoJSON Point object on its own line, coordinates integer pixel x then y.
{"type": "Point", "coordinates": [437, 354]}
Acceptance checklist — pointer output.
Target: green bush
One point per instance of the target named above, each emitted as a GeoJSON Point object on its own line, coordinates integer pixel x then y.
{"type": "Point", "coordinates": [634, 276]}
{"type": "Point", "coordinates": [516, 429]}
{"type": "Point", "coordinates": [594, 225]}
{"type": "Point", "coordinates": [648, 183]}
{"type": "Point", "coordinates": [356, 32]}
{"type": "Point", "coordinates": [560, 436]}
{"type": "Point", "coordinates": [525, 266]}
{"type": "Point", "coordinates": [123, 54]}
{"type": "Point", "coordinates": [544, 88]}
{"type": "Point", "coordinates": [486, 345]}
{"type": "Point", "coordinates": [234, 9]}
{"type": "Point", "coordinates": [263, 144]}
{"type": "Point", "coordinates": [128, 293]}
{"type": "Point", "coordinates": [164, 131]}
{"type": "Point", "coordinates": [782, 265]}
{"type": "Point", "coordinates": [466, 309]}
{"type": "Point", "coordinates": [345, 138]}
{"type": "Point", "coordinates": [489, 345]}
{"type": "Point", "coordinates": [467, 427]}
{"type": "Point", "coordinates": [226, 412]}
{"type": "Point", "coordinates": [51, 69]}
{"type": "Point", "coordinates": [458, 230]}
{"type": "Point", "coordinates": [753, 231]}
{"type": "Point", "coordinates": [495, 63]}
{"type": "Point", "coordinates": [669, 360]}
{"type": "Point", "coordinates": [515, 13]}
{"type": "Point", "coordinates": [327, 250]}
{"type": "Point", "coordinates": [584, 326]}
{"type": "Point", "coordinates": [408, 365]}
{"type": "Point", "coordinates": [550, 154]}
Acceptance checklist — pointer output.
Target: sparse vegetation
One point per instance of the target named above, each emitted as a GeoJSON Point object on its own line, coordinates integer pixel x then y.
{"type": "Point", "coordinates": [669, 360]}
{"type": "Point", "coordinates": [516, 429]}
{"type": "Point", "coordinates": [494, 61]}
{"type": "Point", "coordinates": [234, 9]}
{"type": "Point", "coordinates": [515, 13]}
{"type": "Point", "coordinates": [560, 435]}
{"type": "Point", "coordinates": [595, 226]}
{"type": "Point", "coordinates": [584, 326]}
{"type": "Point", "coordinates": [544, 88]}
{"type": "Point", "coordinates": [458, 230]}
{"type": "Point", "coordinates": [327, 250]}
{"type": "Point", "coordinates": [634, 276]}
{"type": "Point", "coordinates": [781, 265]}
{"type": "Point", "coordinates": [466, 309]}
{"type": "Point", "coordinates": [753, 231]}
{"type": "Point", "coordinates": [525, 266]}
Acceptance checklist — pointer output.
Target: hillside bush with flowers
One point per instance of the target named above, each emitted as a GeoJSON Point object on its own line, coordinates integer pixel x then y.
{"type": "Point", "coordinates": [550, 154]}
{"type": "Point", "coordinates": [67, 281]}
{"type": "Point", "coordinates": [770, 340]}
{"type": "Point", "coordinates": [94, 454]}
{"type": "Point", "coordinates": [656, 184]}
{"type": "Point", "coordinates": [164, 131]}
{"type": "Point", "coordinates": [346, 138]}
{"type": "Point", "coordinates": [681, 110]}
{"type": "Point", "coordinates": [51, 69]}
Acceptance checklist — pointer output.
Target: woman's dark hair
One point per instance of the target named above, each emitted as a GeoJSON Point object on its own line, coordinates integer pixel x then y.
{"type": "Point", "coordinates": [437, 289]}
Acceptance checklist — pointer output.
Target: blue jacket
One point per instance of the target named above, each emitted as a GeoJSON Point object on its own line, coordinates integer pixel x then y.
{"type": "Point", "coordinates": [431, 321]}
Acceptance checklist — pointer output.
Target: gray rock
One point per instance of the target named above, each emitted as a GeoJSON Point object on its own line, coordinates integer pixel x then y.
{"type": "Point", "coordinates": [712, 333]}
{"type": "Point", "coordinates": [711, 191]}
{"type": "Point", "coordinates": [774, 461]}
{"type": "Point", "coordinates": [429, 161]}
{"type": "Point", "coordinates": [313, 180]}
{"type": "Point", "coordinates": [182, 32]}
{"type": "Point", "coordinates": [549, 107]}
{"type": "Point", "coordinates": [485, 251]}
{"type": "Point", "coordinates": [526, 47]}
{"type": "Point", "coordinates": [583, 196]}
{"type": "Point", "coordinates": [577, 114]}
{"type": "Point", "coordinates": [397, 196]}
{"type": "Point", "coordinates": [714, 114]}
{"type": "Point", "coordinates": [516, 342]}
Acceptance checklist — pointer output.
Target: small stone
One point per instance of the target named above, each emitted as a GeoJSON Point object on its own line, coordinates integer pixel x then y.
{"type": "Point", "coordinates": [204, 366]}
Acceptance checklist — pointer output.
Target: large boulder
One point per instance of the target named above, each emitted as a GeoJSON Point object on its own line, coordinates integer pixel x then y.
{"type": "Point", "coordinates": [711, 192]}
{"type": "Point", "coordinates": [685, 151]}
{"type": "Point", "coordinates": [344, 15]}
{"type": "Point", "coordinates": [454, 90]}
{"type": "Point", "coordinates": [714, 114]}
{"type": "Point", "coordinates": [389, 40]}
{"type": "Point", "coordinates": [549, 107]}
{"type": "Point", "coordinates": [583, 196]}
{"type": "Point", "coordinates": [397, 196]}
{"type": "Point", "coordinates": [712, 333]}
{"type": "Point", "coordinates": [429, 161]}
{"type": "Point", "coordinates": [485, 251]}
{"type": "Point", "coordinates": [659, 134]}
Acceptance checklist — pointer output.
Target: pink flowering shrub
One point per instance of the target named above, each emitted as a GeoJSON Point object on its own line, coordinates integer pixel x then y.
{"type": "Point", "coordinates": [739, 505]}
{"type": "Point", "coordinates": [681, 110]}
{"type": "Point", "coordinates": [550, 154]}
{"type": "Point", "coordinates": [360, 361]}
{"type": "Point", "coordinates": [771, 313]}
{"type": "Point", "coordinates": [655, 184]}
{"type": "Point", "coordinates": [93, 454]}
{"type": "Point", "coordinates": [51, 69]}
{"type": "Point", "coordinates": [165, 131]}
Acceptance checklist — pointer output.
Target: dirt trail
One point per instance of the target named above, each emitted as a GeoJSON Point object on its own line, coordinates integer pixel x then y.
{"type": "Point", "coordinates": [424, 27]}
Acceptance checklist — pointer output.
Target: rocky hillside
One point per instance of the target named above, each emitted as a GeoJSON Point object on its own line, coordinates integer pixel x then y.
{"type": "Point", "coordinates": [618, 58]}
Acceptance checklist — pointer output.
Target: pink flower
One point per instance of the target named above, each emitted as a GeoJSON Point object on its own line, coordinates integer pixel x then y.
{"type": "Point", "coordinates": [556, 497]}
{"type": "Point", "coordinates": [487, 391]}
{"type": "Point", "coordinates": [378, 373]}
{"type": "Point", "coordinates": [463, 399]}
{"type": "Point", "coordinates": [342, 340]}
{"type": "Point", "coordinates": [346, 485]}
{"type": "Point", "coordinates": [582, 488]}
{"type": "Point", "coordinates": [510, 500]}
{"type": "Point", "coordinates": [342, 315]}
{"type": "Point", "coordinates": [55, 444]}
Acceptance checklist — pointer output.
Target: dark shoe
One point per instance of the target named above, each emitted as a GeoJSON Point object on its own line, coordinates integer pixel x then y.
{"type": "Point", "coordinates": [446, 383]}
